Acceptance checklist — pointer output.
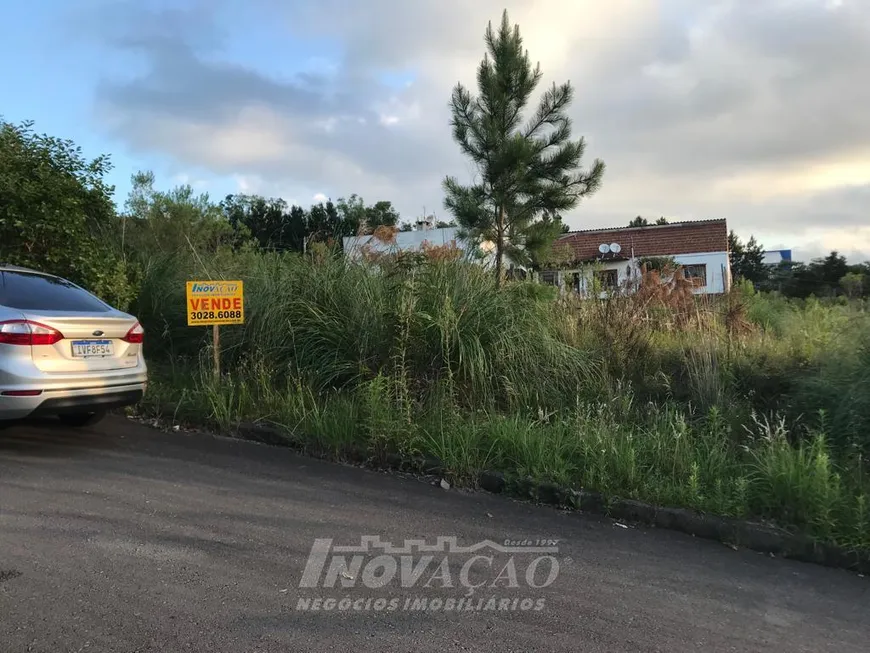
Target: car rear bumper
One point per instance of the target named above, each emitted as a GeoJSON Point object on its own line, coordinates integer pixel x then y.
{"type": "Point", "coordinates": [72, 392]}
{"type": "Point", "coordinates": [89, 403]}
{"type": "Point", "coordinates": [79, 400]}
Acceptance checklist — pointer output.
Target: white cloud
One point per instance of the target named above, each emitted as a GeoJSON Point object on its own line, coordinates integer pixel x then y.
{"type": "Point", "coordinates": [729, 108]}
{"type": "Point", "coordinates": [184, 179]}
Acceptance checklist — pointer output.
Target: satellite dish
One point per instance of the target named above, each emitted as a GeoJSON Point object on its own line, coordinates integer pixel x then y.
{"type": "Point", "coordinates": [615, 248]}
{"type": "Point", "coordinates": [604, 248]}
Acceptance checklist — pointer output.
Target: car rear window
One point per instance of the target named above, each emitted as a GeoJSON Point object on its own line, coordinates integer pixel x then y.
{"type": "Point", "coordinates": [34, 292]}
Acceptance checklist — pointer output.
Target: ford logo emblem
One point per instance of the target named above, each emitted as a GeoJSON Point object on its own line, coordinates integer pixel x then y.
{"type": "Point", "coordinates": [98, 332]}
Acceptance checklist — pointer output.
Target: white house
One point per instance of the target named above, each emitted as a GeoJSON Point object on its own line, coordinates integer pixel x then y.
{"type": "Point", "coordinates": [614, 256]}
{"type": "Point", "coordinates": [423, 235]}
{"type": "Point", "coordinates": [404, 241]}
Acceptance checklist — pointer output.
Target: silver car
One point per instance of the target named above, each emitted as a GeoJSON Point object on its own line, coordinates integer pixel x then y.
{"type": "Point", "coordinates": [63, 351]}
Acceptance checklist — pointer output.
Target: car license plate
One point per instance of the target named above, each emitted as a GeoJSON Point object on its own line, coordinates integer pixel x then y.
{"type": "Point", "coordinates": [92, 348]}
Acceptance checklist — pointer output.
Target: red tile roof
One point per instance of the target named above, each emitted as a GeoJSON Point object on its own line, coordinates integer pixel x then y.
{"type": "Point", "coordinates": [653, 240]}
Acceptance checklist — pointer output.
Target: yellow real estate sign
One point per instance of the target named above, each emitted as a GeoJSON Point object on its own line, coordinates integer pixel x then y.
{"type": "Point", "coordinates": [215, 302]}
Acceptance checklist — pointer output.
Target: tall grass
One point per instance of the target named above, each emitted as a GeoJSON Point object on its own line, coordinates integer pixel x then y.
{"type": "Point", "coordinates": [749, 406]}
{"type": "Point", "coordinates": [337, 324]}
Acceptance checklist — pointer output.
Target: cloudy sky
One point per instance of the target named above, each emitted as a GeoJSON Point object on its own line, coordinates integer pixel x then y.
{"type": "Point", "coordinates": [757, 111]}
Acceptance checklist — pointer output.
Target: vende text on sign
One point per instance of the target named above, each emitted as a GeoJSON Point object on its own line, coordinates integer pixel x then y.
{"type": "Point", "coordinates": [215, 302]}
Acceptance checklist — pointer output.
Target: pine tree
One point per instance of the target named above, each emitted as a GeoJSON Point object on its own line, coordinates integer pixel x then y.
{"type": "Point", "coordinates": [747, 261]}
{"type": "Point", "coordinates": [524, 170]}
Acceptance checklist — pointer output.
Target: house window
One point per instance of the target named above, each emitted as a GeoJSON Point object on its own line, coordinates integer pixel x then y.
{"type": "Point", "coordinates": [550, 277]}
{"type": "Point", "coordinates": [697, 274]}
{"type": "Point", "coordinates": [575, 282]}
{"type": "Point", "coordinates": [607, 279]}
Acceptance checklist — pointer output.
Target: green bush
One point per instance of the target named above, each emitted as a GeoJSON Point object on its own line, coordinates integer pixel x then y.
{"type": "Point", "coordinates": [57, 215]}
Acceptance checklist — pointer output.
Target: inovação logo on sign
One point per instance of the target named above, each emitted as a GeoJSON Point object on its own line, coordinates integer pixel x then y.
{"type": "Point", "coordinates": [215, 288]}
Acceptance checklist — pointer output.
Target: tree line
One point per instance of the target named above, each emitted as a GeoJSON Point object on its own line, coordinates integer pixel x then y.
{"type": "Point", "coordinates": [180, 217]}
{"type": "Point", "coordinates": [827, 276]}
{"type": "Point", "coordinates": [57, 214]}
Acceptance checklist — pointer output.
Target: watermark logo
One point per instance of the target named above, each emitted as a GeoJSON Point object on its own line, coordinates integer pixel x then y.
{"type": "Point", "coordinates": [421, 576]}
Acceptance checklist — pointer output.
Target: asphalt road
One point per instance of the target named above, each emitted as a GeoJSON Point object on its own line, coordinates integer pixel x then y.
{"type": "Point", "coordinates": [122, 538]}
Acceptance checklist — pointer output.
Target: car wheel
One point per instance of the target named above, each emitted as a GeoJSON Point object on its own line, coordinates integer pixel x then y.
{"type": "Point", "coordinates": [81, 419]}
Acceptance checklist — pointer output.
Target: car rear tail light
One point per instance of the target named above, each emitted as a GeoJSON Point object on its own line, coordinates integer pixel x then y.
{"type": "Point", "coordinates": [135, 335]}
{"type": "Point", "coordinates": [25, 332]}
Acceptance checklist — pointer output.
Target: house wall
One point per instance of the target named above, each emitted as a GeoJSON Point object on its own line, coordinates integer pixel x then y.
{"type": "Point", "coordinates": [405, 241]}
{"type": "Point", "coordinates": [718, 270]}
{"type": "Point", "coordinates": [625, 271]}
{"type": "Point", "coordinates": [412, 241]}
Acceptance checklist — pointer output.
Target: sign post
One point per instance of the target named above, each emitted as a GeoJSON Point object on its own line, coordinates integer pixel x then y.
{"type": "Point", "coordinates": [216, 350]}
{"type": "Point", "coordinates": [213, 303]}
